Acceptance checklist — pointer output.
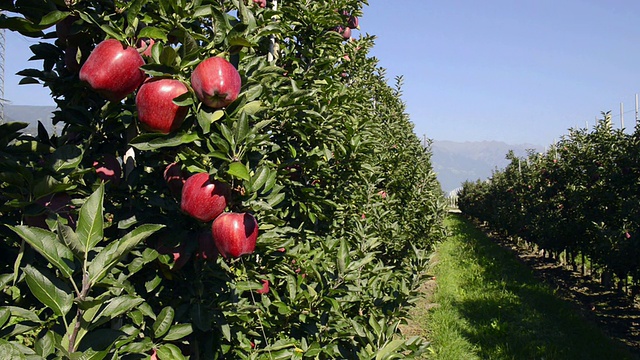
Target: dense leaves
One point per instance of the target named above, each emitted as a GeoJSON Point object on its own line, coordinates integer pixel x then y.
{"type": "Point", "coordinates": [580, 196]}
{"type": "Point", "coordinates": [101, 262]}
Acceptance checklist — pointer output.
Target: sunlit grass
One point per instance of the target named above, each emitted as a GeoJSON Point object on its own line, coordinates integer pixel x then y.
{"type": "Point", "coordinates": [491, 307]}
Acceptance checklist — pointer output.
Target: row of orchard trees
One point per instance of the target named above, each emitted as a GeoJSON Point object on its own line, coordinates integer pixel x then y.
{"type": "Point", "coordinates": [317, 147]}
{"type": "Point", "coordinates": [580, 196]}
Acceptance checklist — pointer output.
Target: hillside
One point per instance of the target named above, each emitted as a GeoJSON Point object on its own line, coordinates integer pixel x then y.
{"type": "Point", "coordinates": [30, 114]}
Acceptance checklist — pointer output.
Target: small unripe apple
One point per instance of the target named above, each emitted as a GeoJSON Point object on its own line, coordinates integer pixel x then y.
{"type": "Point", "coordinates": [204, 198]}
{"type": "Point", "coordinates": [235, 234]}
{"type": "Point", "coordinates": [113, 70]}
{"type": "Point", "coordinates": [216, 82]}
{"type": "Point", "coordinates": [156, 109]}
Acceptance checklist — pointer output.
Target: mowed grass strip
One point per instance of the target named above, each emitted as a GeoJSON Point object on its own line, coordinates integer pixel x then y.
{"type": "Point", "coordinates": [491, 307]}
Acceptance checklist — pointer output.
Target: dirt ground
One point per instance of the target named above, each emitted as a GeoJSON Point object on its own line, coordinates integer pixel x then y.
{"type": "Point", "coordinates": [614, 312]}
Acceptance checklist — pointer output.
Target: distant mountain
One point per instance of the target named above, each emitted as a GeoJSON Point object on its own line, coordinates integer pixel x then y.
{"type": "Point", "coordinates": [455, 162]}
{"type": "Point", "coordinates": [31, 115]}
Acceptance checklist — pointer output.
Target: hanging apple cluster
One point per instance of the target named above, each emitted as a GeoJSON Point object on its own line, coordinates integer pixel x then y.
{"type": "Point", "coordinates": [351, 22]}
{"type": "Point", "coordinates": [113, 70]}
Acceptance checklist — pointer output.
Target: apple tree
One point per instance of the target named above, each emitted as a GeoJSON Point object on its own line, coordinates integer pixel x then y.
{"type": "Point", "coordinates": [250, 187]}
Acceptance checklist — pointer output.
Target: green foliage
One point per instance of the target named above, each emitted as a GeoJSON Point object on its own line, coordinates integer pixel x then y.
{"type": "Point", "coordinates": [343, 191]}
{"type": "Point", "coordinates": [580, 197]}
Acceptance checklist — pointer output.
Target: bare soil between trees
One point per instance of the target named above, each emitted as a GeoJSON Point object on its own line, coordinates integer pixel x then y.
{"type": "Point", "coordinates": [611, 309]}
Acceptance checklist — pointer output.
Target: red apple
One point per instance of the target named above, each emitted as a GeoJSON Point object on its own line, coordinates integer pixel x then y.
{"type": "Point", "coordinates": [265, 287]}
{"type": "Point", "coordinates": [353, 22]}
{"type": "Point", "coordinates": [235, 234]}
{"type": "Point", "coordinates": [216, 82]}
{"type": "Point", "coordinates": [261, 3]}
{"type": "Point", "coordinates": [175, 178]}
{"type": "Point", "coordinates": [109, 169]}
{"type": "Point", "coordinates": [203, 198]}
{"type": "Point", "coordinates": [156, 109]}
{"type": "Point", "coordinates": [113, 70]}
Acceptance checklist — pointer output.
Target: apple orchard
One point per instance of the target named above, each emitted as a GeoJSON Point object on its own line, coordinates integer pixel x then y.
{"type": "Point", "coordinates": [233, 179]}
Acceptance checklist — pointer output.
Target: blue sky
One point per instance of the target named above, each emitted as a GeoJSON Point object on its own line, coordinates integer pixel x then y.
{"type": "Point", "coordinates": [514, 71]}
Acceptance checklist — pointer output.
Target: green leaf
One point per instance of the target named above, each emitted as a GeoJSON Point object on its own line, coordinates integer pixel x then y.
{"type": "Point", "coordinates": [343, 255]}
{"type": "Point", "coordinates": [10, 351]}
{"type": "Point", "coordinates": [239, 170]}
{"type": "Point", "coordinates": [46, 244]}
{"type": "Point", "coordinates": [46, 345]}
{"type": "Point", "coordinates": [163, 322]}
{"type": "Point", "coordinates": [49, 291]}
{"type": "Point", "coordinates": [153, 33]}
{"type": "Point", "coordinates": [389, 349]}
{"type": "Point", "coordinates": [53, 17]}
{"type": "Point", "coordinates": [116, 307]}
{"type": "Point", "coordinates": [178, 332]}
{"type": "Point", "coordinates": [148, 142]}
{"type": "Point", "coordinates": [67, 236]}
{"type": "Point", "coordinates": [169, 352]}
{"type": "Point", "coordinates": [67, 157]}
{"type": "Point", "coordinates": [206, 118]}
{"type": "Point", "coordinates": [91, 221]}
{"type": "Point", "coordinates": [4, 316]}
{"type": "Point", "coordinates": [110, 255]}
{"type": "Point", "coordinates": [259, 178]}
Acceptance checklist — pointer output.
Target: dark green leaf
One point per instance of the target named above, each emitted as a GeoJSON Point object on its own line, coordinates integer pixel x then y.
{"type": "Point", "coordinates": [116, 307]}
{"type": "Point", "coordinates": [50, 292]}
{"type": "Point", "coordinates": [169, 352]}
{"type": "Point", "coordinates": [148, 142]}
{"type": "Point", "coordinates": [47, 245]}
{"type": "Point", "coordinates": [163, 322]}
{"type": "Point", "coordinates": [239, 170]}
{"type": "Point", "coordinates": [91, 220]}
{"type": "Point", "coordinates": [109, 256]}
{"type": "Point", "coordinates": [178, 332]}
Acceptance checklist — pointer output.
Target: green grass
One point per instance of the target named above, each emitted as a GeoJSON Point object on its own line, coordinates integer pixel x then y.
{"type": "Point", "coordinates": [491, 307]}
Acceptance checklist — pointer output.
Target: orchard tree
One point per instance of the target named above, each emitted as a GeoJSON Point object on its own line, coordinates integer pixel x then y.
{"type": "Point", "coordinates": [221, 186]}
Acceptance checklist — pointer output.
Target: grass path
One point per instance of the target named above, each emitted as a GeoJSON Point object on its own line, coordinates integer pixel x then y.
{"type": "Point", "coordinates": [484, 304]}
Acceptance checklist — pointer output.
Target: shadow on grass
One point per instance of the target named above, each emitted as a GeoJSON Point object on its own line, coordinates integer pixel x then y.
{"type": "Point", "coordinates": [511, 315]}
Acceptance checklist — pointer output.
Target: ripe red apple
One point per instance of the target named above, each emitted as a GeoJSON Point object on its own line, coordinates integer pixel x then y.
{"type": "Point", "coordinates": [156, 109]}
{"type": "Point", "coordinates": [175, 178]}
{"type": "Point", "coordinates": [265, 287]}
{"type": "Point", "coordinates": [203, 198]}
{"type": "Point", "coordinates": [216, 82]}
{"type": "Point", "coordinates": [113, 70]}
{"type": "Point", "coordinates": [109, 169]}
{"type": "Point", "coordinates": [235, 234]}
